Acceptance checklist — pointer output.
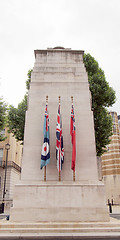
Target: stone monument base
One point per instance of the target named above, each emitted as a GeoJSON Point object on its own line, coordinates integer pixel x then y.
{"type": "Point", "coordinates": [59, 202]}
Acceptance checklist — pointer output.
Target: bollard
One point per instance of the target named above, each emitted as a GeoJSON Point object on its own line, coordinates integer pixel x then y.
{"type": "Point", "coordinates": [110, 208]}
{"type": "Point", "coordinates": [7, 217]}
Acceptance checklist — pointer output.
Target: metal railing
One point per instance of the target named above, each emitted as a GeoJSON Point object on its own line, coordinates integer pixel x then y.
{"type": "Point", "coordinates": [10, 164]}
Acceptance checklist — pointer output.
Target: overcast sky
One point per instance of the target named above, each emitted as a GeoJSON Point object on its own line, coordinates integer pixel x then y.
{"type": "Point", "coordinates": [26, 25]}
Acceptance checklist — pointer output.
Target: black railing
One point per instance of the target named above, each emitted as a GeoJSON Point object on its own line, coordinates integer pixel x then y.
{"type": "Point", "coordinates": [10, 164]}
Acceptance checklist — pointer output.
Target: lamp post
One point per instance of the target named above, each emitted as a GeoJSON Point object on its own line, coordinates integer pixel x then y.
{"type": "Point", "coordinates": [7, 147]}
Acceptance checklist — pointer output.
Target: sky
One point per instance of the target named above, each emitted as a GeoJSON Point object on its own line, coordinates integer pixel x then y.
{"type": "Point", "coordinates": [26, 25]}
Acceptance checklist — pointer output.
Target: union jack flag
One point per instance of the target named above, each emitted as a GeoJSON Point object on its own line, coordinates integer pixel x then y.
{"type": "Point", "coordinates": [45, 155]}
{"type": "Point", "coordinates": [73, 138]}
{"type": "Point", "coordinates": [59, 141]}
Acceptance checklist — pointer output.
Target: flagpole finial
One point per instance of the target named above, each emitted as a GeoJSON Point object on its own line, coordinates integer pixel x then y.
{"type": "Point", "coordinates": [46, 99]}
{"type": "Point", "coordinates": [72, 99]}
{"type": "Point", "coordinates": [59, 99]}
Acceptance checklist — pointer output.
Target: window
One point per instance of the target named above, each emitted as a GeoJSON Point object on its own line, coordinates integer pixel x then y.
{"type": "Point", "coordinates": [114, 129]}
{"type": "Point", "coordinates": [1, 154]}
{"type": "Point", "coordinates": [119, 122]}
{"type": "Point", "coordinates": [0, 182]}
{"type": "Point", "coordinates": [113, 117]}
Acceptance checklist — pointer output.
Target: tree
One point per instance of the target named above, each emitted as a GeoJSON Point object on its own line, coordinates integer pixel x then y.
{"type": "Point", "coordinates": [16, 119]}
{"type": "Point", "coordinates": [102, 96]}
{"type": "Point", "coordinates": [3, 108]}
{"type": "Point", "coordinates": [29, 79]}
{"type": "Point", "coordinates": [16, 116]}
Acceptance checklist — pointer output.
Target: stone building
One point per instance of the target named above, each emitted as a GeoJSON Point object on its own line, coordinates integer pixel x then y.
{"type": "Point", "coordinates": [111, 164]}
{"type": "Point", "coordinates": [13, 171]}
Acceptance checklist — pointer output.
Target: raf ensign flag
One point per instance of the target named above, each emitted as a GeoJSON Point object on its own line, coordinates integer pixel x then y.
{"type": "Point", "coordinates": [45, 155]}
{"type": "Point", "coordinates": [59, 141]}
{"type": "Point", "coordinates": [73, 138]}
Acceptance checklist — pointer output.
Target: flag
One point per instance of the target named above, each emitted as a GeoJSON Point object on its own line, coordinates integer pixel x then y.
{"type": "Point", "coordinates": [73, 138]}
{"type": "Point", "coordinates": [59, 141]}
{"type": "Point", "coordinates": [45, 155]}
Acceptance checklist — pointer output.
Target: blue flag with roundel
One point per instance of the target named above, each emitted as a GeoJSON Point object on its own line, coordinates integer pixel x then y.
{"type": "Point", "coordinates": [45, 155]}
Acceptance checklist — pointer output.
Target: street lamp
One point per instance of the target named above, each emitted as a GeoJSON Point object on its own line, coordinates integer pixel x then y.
{"type": "Point", "coordinates": [7, 147]}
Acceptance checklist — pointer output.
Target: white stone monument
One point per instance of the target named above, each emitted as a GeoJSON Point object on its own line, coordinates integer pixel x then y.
{"type": "Point", "coordinates": [59, 72]}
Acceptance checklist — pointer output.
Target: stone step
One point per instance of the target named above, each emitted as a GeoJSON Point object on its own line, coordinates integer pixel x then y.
{"type": "Point", "coordinates": [72, 230]}
{"type": "Point", "coordinates": [59, 230]}
{"type": "Point", "coordinates": [65, 225]}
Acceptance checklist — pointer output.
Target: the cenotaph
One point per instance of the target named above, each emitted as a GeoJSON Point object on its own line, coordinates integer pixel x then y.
{"type": "Point", "coordinates": [59, 72]}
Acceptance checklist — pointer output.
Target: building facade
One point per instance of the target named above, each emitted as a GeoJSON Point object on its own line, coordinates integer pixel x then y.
{"type": "Point", "coordinates": [111, 164]}
{"type": "Point", "coordinates": [13, 170]}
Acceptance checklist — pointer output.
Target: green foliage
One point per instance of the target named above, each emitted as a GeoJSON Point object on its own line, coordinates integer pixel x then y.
{"type": "Point", "coordinates": [3, 108]}
{"type": "Point", "coordinates": [16, 116]}
{"type": "Point", "coordinates": [103, 130]}
{"type": "Point", "coordinates": [16, 119]}
{"type": "Point", "coordinates": [28, 79]}
{"type": "Point", "coordinates": [102, 96]}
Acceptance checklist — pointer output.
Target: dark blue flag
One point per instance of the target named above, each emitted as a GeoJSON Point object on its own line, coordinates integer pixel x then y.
{"type": "Point", "coordinates": [45, 155]}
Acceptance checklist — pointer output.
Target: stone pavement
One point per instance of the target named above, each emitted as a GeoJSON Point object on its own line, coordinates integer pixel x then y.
{"type": "Point", "coordinates": [116, 209]}
{"type": "Point", "coordinates": [115, 212]}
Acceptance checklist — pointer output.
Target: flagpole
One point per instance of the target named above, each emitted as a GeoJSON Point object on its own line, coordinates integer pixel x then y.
{"type": "Point", "coordinates": [46, 100]}
{"type": "Point", "coordinates": [59, 176]}
{"type": "Point", "coordinates": [73, 170]}
{"type": "Point", "coordinates": [74, 176]}
{"type": "Point", "coordinates": [45, 173]}
{"type": "Point", "coordinates": [45, 166]}
{"type": "Point", "coordinates": [72, 99]}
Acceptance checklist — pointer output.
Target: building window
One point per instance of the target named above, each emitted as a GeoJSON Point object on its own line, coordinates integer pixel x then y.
{"type": "Point", "coordinates": [0, 182]}
{"type": "Point", "coordinates": [114, 129]}
{"type": "Point", "coordinates": [119, 121]}
{"type": "Point", "coordinates": [1, 154]}
{"type": "Point", "coordinates": [113, 117]}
